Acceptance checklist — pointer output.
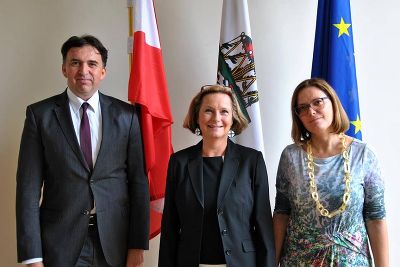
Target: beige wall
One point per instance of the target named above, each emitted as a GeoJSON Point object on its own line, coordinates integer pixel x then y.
{"type": "Point", "coordinates": [32, 32]}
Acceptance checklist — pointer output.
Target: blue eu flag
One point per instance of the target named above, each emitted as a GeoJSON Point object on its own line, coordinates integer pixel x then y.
{"type": "Point", "coordinates": [333, 58]}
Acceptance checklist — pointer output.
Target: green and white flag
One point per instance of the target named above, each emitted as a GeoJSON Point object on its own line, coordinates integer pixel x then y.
{"type": "Point", "coordinates": [236, 68]}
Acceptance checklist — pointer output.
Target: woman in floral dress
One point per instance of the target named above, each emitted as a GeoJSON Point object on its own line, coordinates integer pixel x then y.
{"type": "Point", "coordinates": [330, 193]}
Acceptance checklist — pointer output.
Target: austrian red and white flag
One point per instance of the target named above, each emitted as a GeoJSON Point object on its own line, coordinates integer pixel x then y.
{"type": "Point", "coordinates": [148, 89]}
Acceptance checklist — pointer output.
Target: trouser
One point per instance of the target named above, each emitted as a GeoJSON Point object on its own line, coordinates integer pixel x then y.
{"type": "Point", "coordinates": [92, 254]}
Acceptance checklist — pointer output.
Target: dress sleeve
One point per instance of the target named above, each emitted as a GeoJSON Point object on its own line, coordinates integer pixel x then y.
{"type": "Point", "coordinates": [282, 204]}
{"type": "Point", "coordinates": [374, 204]}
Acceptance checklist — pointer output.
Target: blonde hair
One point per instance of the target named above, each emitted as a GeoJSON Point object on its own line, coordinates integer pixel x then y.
{"type": "Point", "coordinates": [239, 120]}
{"type": "Point", "coordinates": [340, 121]}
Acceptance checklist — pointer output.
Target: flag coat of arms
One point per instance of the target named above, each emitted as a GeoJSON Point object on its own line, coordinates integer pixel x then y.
{"type": "Point", "coordinates": [236, 68]}
{"type": "Point", "coordinates": [148, 89]}
{"type": "Point", "coordinates": [334, 59]}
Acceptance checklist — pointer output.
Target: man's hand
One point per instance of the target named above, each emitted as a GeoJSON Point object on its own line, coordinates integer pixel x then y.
{"type": "Point", "coordinates": [36, 264]}
{"type": "Point", "coordinates": [135, 258]}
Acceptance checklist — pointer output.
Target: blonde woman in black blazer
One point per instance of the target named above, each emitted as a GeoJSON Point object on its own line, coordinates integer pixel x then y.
{"type": "Point", "coordinates": [217, 210]}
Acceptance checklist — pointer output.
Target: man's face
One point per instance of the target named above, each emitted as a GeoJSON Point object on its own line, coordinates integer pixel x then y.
{"type": "Point", "coordinates": [84, 70]}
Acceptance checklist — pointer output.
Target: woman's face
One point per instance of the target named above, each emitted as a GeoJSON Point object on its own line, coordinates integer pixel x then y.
{"type": "Point", "coordinates": [315, 110]}
{"type": "Point", "coordinates": [215, 116]}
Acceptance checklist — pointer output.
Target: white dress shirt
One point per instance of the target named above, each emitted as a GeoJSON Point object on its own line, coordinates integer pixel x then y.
{"type": "Point", "coordinates": [95, 121]}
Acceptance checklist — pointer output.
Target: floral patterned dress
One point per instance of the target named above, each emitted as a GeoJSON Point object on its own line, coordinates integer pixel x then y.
{"type": "Point", "coordinates": [314, 240]}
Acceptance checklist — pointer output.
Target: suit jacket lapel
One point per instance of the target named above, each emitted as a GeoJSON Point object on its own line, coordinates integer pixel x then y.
{"type": "Point", "coordinates": [195, 167]}
{"type": "Point", "coordinates": [229, 172]}
{"type": "Point", "coordinates": [106, 116]}
{"type": "Point", "coordinates": [63, 115]}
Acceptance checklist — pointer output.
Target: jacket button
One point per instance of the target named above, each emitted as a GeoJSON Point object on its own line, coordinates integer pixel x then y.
{"type": "Point", "coordinates": [220, 211]}
{"type": "Point", "coordinates": [228, 252]}
{"type": "Point", "coordinates": [86, 212]}
{"type": "Point", "coordinates": [224, 232]}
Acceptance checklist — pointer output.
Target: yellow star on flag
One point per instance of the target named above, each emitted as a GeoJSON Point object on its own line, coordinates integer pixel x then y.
{"type": "Point", "coordinates": [343, 27]}
{"type": "Point", "coordinates": [357, 124]}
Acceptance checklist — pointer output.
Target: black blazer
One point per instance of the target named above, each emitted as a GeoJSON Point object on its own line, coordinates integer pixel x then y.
{"type": "Point", "coordinates": [244, 212]}
{"type": "Point", "coordinates": [50, 156]}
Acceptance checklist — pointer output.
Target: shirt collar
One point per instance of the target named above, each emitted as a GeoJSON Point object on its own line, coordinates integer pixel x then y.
{"type": "Point", "coordinates": [76, 102]}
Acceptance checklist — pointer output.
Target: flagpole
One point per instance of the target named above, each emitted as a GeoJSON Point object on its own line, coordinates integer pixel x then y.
{"type": "Point", "coordinates": [130, 31]}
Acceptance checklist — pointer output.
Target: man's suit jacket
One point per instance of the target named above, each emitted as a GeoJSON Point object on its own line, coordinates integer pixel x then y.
{"type": "Point", "coordinates": [243, 208]}
{"type": "Point", "coordinates": [50, 156]}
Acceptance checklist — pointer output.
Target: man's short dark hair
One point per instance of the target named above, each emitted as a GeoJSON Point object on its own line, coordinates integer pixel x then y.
{"type": "Point", "coordinates": [83, 40]}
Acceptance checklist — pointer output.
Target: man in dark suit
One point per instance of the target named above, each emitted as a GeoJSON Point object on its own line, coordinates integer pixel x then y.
{"type": "Point", "coordinates": [82, 192]}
